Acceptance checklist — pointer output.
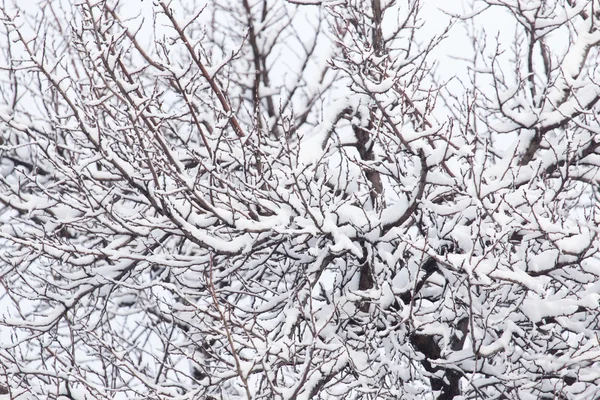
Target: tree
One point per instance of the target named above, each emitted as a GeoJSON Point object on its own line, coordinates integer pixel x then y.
{"type": "Point", "coordinates": [286, 200]}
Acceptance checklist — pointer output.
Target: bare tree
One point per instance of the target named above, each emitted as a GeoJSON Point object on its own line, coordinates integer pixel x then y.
{"type": "Point", "coordinates": [269, 199]}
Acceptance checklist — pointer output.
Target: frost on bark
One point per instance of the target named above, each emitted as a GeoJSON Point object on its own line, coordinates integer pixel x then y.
{"type": "Point", "coordinates": [269, 199]}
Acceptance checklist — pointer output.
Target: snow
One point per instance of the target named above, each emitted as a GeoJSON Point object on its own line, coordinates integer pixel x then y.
{"type": "Point", "coordinates": [578, 103]}
{"type": "Point", "coordinates": [572, 65]}
{"type": "Point", "coordinates": [575, 244]}
{"type": "Point", "coordinates": [519, 277]}
{"type": "Point", "coordinates": [463, 237]}
{"type": "Point", "coordinates": [313, 143]}
{"type": "Point", "coordinates": [538, 309]}
{"type": "Point", "coordinates": [543, 261]}
{"type": "Point", "coordinates": [510, 101]}
{"type": "Point", "coordinates": [127, 86]}
{"type": "Point", "coordinates": [380, 87]}
{"type": "Point", "coordinates": [122, 253]}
